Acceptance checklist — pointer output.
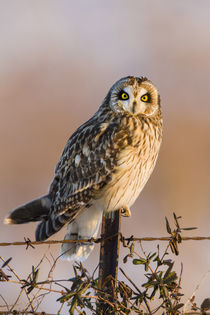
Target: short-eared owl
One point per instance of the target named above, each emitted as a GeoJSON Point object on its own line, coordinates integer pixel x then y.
{"type": "Point", "coordinates": [104, 166]}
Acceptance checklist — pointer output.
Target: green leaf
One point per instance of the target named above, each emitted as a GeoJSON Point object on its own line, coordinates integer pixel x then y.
{"type": "Point", "coordinates": [168, 226]}
{"type": "Point", "coordinates": [73, 305]}
{"type": "Point", "coordinates": [6, 262]}
{"type": "Point", "coordinates": [178, 306]}
{"type": "Point", "coordinates": [189, 229]}
{"type": "Point", "coordinates": [66, 297]}
{"type": "Point", "coordinates": [73, 279]}
{"type": "Point", "coordinates": [174, 247]}
{"type": "Point", "coordinates": [30, 289]}
{"type": "Point", "coordinates": [151, 256]}
{"type": "Point", "coordinates": [36, 275]}
{"type": "Point", "coordinates": [153, 292]}
{"type": "Point", "coordinates": [33, 271]}
{"type": "Point", "coordinates": [149, 284]}
{"type": "Point", "coordinates": [170, 278]}
{"type": "Point", "coordinates": [168, 270]}
{"type": "Point", "coordinates": [132, 248]}
{"type": "Point", "coordinates": [205, 304]}
{"type": "Point", "coordinates": [163, 292]}
{"type": "Point", "coordinates": [176, 220]}
{"type": "Point", "coordinates": [141, 261]}
{"type": "Point", "coordinates": [179, 238]}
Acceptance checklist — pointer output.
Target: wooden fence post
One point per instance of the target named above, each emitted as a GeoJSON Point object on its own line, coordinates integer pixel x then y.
{"type": "Point", "coordinates": [109, 254]}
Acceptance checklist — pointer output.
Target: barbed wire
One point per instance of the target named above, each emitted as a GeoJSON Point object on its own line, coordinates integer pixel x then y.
{"type": "Point", "coordinates": [20, 312]}
{"type": "Point", "coordinates": [28, 242]}
{"type": "Point", "coordinates": [43, 313]}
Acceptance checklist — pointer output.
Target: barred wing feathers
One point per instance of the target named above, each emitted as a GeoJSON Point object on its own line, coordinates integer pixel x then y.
{"type": "Point", "coordinates": [86, 166]}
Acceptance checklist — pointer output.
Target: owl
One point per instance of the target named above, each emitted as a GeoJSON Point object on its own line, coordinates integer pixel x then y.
{"type": "Point", "coordinates": [104, 166]}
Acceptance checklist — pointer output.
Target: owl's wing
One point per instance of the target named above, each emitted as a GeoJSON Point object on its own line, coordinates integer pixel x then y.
{"type": "Point", "coordinates": [86, 166]}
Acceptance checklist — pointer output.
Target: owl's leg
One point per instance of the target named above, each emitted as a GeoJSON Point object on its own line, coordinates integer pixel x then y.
{"type": "Point", "coordinates": [125, 211]}
{"type": "Point", "coordinates": [85, 226]}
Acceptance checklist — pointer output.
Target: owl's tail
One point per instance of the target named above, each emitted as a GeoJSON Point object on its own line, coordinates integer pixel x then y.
{"type": "Point", "coordinates": [38, 210]}
{"type": "Point", "coordinates": [32, 211]}
{"type": "Point", "coordinates": [85, 226]}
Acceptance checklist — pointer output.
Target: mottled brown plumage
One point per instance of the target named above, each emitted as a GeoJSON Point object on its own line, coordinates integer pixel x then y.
{"type": "Point", "coordinates": [104, 166]}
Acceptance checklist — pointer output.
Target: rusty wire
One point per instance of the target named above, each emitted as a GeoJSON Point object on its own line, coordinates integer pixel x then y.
{"type": "Point", "coordinates": [98, 240]}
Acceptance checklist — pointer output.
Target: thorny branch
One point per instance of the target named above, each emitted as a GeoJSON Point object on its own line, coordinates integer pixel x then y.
{"type": "Point", "coordinates": [82, 292]}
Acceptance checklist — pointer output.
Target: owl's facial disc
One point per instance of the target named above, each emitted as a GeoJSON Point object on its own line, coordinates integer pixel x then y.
{"type": "Point", "coordinates": [135, 95]}
{"type": "Point", "coordinates": [138, 99]}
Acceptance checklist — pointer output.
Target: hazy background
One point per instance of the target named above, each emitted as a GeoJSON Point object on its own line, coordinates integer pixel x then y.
{"type": "Point", "coordinates": [57, 61]}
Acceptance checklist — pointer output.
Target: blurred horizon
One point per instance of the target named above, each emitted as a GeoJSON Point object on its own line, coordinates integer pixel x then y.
{"type": "Point", "coordinates": [58, 60]}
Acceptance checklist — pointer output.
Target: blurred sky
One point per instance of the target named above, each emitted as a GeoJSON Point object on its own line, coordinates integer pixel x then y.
{"type": "Point", "coordinates": [57, 61]}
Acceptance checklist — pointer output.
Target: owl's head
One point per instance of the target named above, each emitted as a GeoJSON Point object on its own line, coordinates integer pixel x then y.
{"type": "Point", "coordinates": [135, 95]}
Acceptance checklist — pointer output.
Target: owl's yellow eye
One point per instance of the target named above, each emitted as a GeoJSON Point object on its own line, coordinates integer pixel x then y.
{"type": "Point", "coordinates": [145, 98]}
{"type": "Point", "coordinates": [123, 96]}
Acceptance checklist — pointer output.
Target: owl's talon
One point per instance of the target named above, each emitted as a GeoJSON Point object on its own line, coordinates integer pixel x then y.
{"type": "Point", "coordinates": [125, 211]}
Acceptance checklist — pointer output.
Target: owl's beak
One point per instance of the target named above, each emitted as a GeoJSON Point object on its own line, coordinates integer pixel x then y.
{"type": "Point", "coordinates": [133, 109]}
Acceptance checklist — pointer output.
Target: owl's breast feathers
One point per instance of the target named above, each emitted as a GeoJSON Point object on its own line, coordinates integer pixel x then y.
{"type": "Point", "coordinates": [100, 152]}
{"type": "Point", "coordinates": [137, 142]}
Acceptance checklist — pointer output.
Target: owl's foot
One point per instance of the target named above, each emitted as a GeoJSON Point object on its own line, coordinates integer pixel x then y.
{"type": "Point", "coordinates": [125, 211]}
